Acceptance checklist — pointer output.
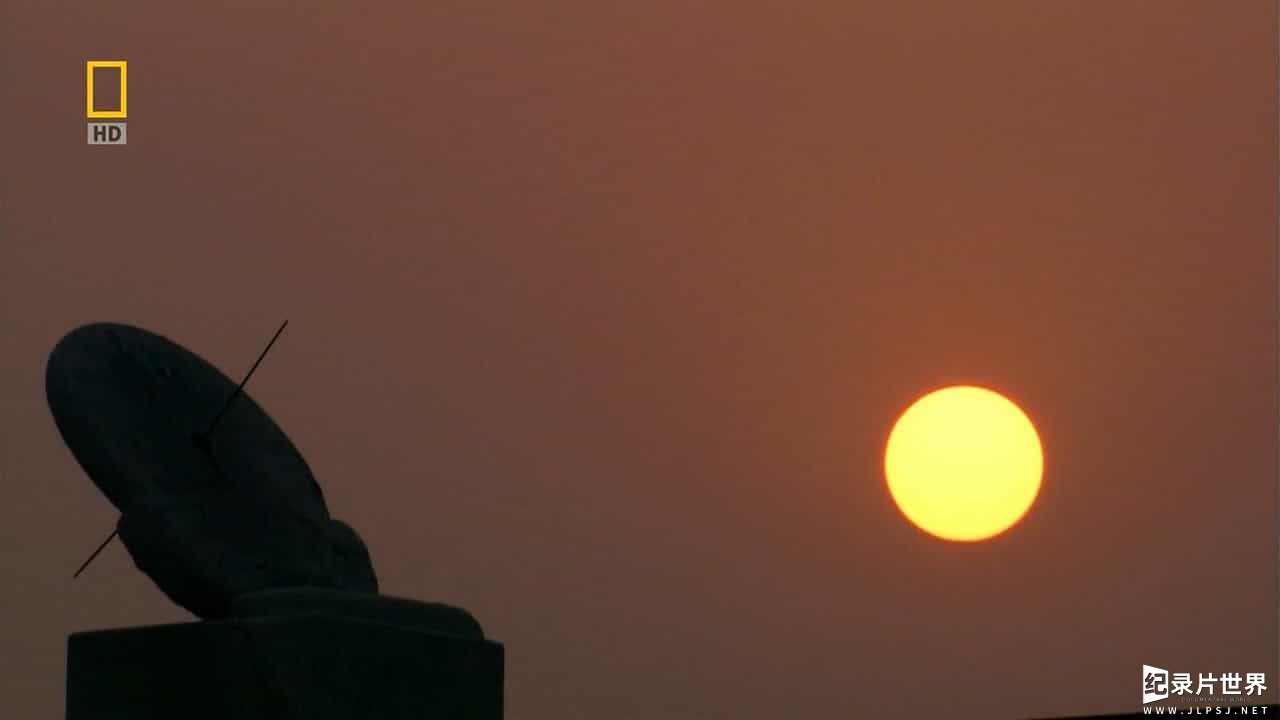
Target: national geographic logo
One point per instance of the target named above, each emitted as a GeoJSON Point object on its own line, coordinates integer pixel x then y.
{"type": "Point", "coordinates": [107, 98]}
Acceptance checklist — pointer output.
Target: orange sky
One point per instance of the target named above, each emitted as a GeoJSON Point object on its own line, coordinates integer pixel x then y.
{"type": "Point", "coordinates": [600, 315]}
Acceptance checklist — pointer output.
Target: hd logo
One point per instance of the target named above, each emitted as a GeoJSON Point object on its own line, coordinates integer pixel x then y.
{"type": "Point", "coordinates": [107, 98]}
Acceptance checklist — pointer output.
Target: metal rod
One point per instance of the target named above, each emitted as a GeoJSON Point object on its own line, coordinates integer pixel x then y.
{"type": "Point", "coordinates": [101, 547]}
{"type": "Point", "coordinates": [227, 405]}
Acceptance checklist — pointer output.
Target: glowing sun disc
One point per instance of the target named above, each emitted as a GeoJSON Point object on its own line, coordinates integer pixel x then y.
{"type": "Point", "coordinates": [964, 463]}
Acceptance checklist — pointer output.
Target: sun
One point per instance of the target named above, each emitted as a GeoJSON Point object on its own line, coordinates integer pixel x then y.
{"type": "Point", "coordinates": [964, 463]}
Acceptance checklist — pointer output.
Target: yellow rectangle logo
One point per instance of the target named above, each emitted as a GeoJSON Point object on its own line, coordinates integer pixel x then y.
{"type": "Point", "coordinates": [92, 65]}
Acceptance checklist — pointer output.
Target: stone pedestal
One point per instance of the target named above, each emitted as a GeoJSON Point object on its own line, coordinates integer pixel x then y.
{"type": "Point", "coordinates": [310, 666]}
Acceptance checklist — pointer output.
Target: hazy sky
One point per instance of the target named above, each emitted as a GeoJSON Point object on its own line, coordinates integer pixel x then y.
{"type": "Point", "coordinates": [600, 314]}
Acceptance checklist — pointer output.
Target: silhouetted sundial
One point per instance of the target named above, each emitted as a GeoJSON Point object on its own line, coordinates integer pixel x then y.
{"type": "Point", "coordinates": [215, 501]}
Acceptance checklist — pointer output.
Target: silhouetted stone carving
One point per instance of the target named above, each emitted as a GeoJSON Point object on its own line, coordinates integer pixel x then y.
{"type": "Point", "coordinates": [205, 549]}
{"type": "Point", "coordinates": [230, 523]}
{"type": "Point", "coordinates": [207, 517]}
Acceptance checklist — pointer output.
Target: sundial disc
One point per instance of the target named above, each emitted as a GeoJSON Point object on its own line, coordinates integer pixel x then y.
{"type": "Point", "coordinates": [131, 406]}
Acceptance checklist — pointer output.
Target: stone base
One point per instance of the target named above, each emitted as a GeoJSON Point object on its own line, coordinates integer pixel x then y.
{"type": "Point", "coordinates": [311, 666]}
